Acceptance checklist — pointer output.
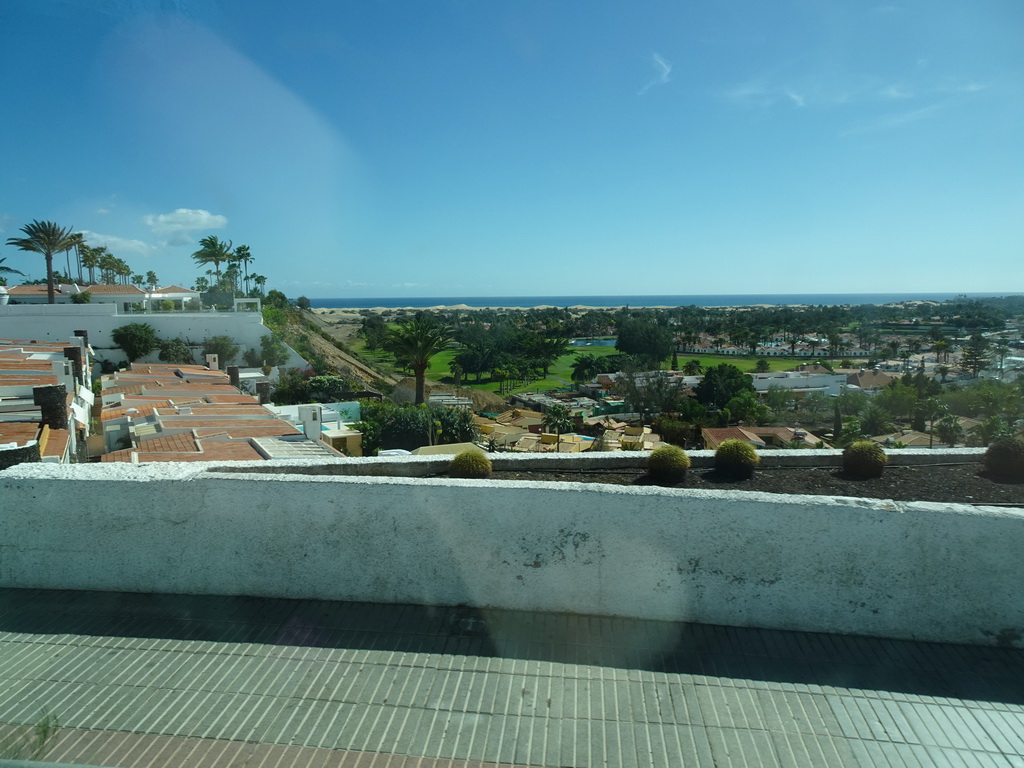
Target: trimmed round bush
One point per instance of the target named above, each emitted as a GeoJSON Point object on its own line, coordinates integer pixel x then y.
{"type": "Point", "coordinates": [470, 464]}
{"type": "Point", "coordinates": [736, 458]}
{"type": "Point", "coordinates": [1004, 459]}
{"type": "Point", "coordinates": [864, 459]}
{"type": "Point", "coordinates": [668, 464]}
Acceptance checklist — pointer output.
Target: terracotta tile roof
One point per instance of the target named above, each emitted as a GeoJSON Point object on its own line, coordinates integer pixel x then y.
{"type": "Point", "coordinates": [56, 442]}
{"type": "Point", "coordinates": [236, 450]}
{"type": "Point", "coordinates": [248, 429]}
{"type": "Point", "coordinates": [222, 425]}
{"type": "Point", "coordinates": [29, 290]}
{"type": "Point", "coordinates": [26, 380]}
{"type": "Point", "coordinates": [225, 399]}
{"type": "Point", "coordinates": [19, 432]}
{"type": "Point", "coordinates": [713, 436]}
{"type": "Point", "coordinates": [175, 289]}
{"type": "Point", "coordinates": [183, 443]}
{"type": "Point", "coordinates": [140, 410]}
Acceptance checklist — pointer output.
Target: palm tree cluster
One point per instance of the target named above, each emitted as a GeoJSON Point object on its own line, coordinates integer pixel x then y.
{"type": "Point", "coordinates": [45, 238]}
{"type": "Point", "coordinates": [235, 277]}
{"type": "Point", "coordinates": [48, 239]}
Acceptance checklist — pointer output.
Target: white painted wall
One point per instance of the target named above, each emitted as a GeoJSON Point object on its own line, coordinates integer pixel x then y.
{"type": "Point", "coordinates": [56, 322]}
{"type": "Point", "coordinates": [918, 570]}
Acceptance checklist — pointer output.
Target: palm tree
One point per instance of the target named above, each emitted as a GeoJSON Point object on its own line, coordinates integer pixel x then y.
{"type": "Point", "coordinates": [557, 419]}
{"type": "Point", "coordinates": [47, 238]}
{"type": "Point", "coordinates": [244, 258]}
{"type": "Point", "coordinates": [260, 281]}
{"type": "Point", "coordinates": [8, 270]}
{"type": "Point", "coordinates": [693, 368]}
{"type": "Point", "coordinates": [78, 241]}
{"type": "Point", "coordinates": [91, 260]}
{"type": "Point", "coordinates": [584, 368]}
{"type": "Point", "coordinates": [415, 342]}
{"type": "Point", "coordinates": [213, 250]}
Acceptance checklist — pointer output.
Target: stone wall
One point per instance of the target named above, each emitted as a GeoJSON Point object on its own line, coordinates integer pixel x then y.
{"type": "Point", "coordinates": [297, 529]}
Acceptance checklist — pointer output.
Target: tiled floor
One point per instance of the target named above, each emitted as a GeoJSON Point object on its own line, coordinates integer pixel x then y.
{"type": "Point", "coordinates": [138, 680]}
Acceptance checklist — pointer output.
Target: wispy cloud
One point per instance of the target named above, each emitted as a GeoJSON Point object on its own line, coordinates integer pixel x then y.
{"type": "Point", "coordinates": [662, 73]}
{"type": "Point", "coordinates": [899, 119]}
{"type": "Point", "coordinates": [179, 225]}
{"type": "Point", "coordinates": [796, 98]}
{"type": "Point", "coordinates": [102, 211]}
{"type": "Point", "coordinates": [897, 91]}
{"type": "Point", "coordinates": [117, 244]}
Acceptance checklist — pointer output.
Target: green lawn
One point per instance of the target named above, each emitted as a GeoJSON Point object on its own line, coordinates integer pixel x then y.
{"type": "Point", "coordinates": [561, 371]}
{"type": "Point", "coordinates": [745, 363]}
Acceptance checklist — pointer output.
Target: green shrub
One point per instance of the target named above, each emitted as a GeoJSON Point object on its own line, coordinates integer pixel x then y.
{"type": "Point", "coordinates": [1004, 459]}
{"type": "Point", "coordinates": [470, 464]}
{"type": "Point", "coordinates": [864, 459]}
{"type": "Point", "coordinates": [668, 463]}
{"type": "Point", "coordinates": [736, 458]}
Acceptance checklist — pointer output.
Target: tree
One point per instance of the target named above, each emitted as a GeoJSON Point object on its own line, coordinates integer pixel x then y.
{"type": "Point", "coordinates": [223, 347]}
{"type": "Point", "coordinates": [721, 383]}
{"type": "Point", "coordinates": [7, 271]}
{"type": "Point", "coordinates": [151, 279]}
{"type": "Point", "coordinates": [176, 351]}
{"type": "Point", "coordinates": [135, 340]}
{"type": "Point", "coordinates": [693, 368]}
{"type": "Point", "coordinates": [557, 419]}
{"type": "Point", "coordinates": [585, 368]}
{"type": "Point", "coordinates": [646, 339]}
{"type": "Point", "coordinates": [975, 355]}
{"type": "Point", "coordinates": [415, 342]}
{"type": "Point", "coordinates": [762, 366]}
{"type": "Point", "coordinates": [213, 250]}
{"type": "Point", "coordinates": [273, 350]}
{"type": "Point", "coordinates": [245, 259]}
{"type": "Point", "coordinates": [746, 407]}
{"type": "Point", "coordinates": [277, 299]}
{"type": "Point", "coordinates": [47, 238]}
{"type": "Point", "coordinates": [950, 430]}
{"type": "Point", "coordinates": [897, 398]}
{"type": "Point", "coordinates": [90, 260]}
{"type": "Point", "coordinates": [545, 350]}
{"type": "Point", "coordinates": [779, 398]}
{"type": "Point", "coordinates": [874, 420]}
{"type": "Point", "coordinates": [302, 302]}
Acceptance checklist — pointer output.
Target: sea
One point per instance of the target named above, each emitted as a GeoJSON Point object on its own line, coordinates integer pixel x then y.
{"type": "Point", "coordinates": [673, 300]}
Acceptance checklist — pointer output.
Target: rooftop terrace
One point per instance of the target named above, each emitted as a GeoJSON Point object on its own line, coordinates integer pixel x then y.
{"type": "Point", "coordinates": [156, 680]}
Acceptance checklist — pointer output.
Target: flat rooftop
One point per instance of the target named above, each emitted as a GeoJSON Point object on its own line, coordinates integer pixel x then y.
{"type": "Point", "coordinates": [163, 680]}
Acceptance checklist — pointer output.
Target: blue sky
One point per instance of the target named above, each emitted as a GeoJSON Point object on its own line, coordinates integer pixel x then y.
{"type": "Point", "coordinates": [433, 148]}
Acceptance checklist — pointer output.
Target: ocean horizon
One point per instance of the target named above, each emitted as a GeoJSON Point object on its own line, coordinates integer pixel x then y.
{"type": "Point", "coordinates": [653, 300]}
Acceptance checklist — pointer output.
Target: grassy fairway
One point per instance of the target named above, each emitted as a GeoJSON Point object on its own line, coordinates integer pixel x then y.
{"type": "Point", "coordinates": [560, 372]}
{"type": "Point", "coordinates": [745, 363]}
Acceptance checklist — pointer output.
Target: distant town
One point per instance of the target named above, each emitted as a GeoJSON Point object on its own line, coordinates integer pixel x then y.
{"type": "Point", "coordinates": [225, 369]}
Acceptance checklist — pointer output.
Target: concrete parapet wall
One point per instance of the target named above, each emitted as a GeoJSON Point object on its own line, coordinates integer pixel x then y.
{"type": "Point", "coordinates": [910, 570]}
{"type": "Point", "coordinates": [423, 466]}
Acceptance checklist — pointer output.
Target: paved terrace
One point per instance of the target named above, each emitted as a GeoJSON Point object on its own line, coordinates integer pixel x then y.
{"type": "Point", "coordinates": [163, 680]}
